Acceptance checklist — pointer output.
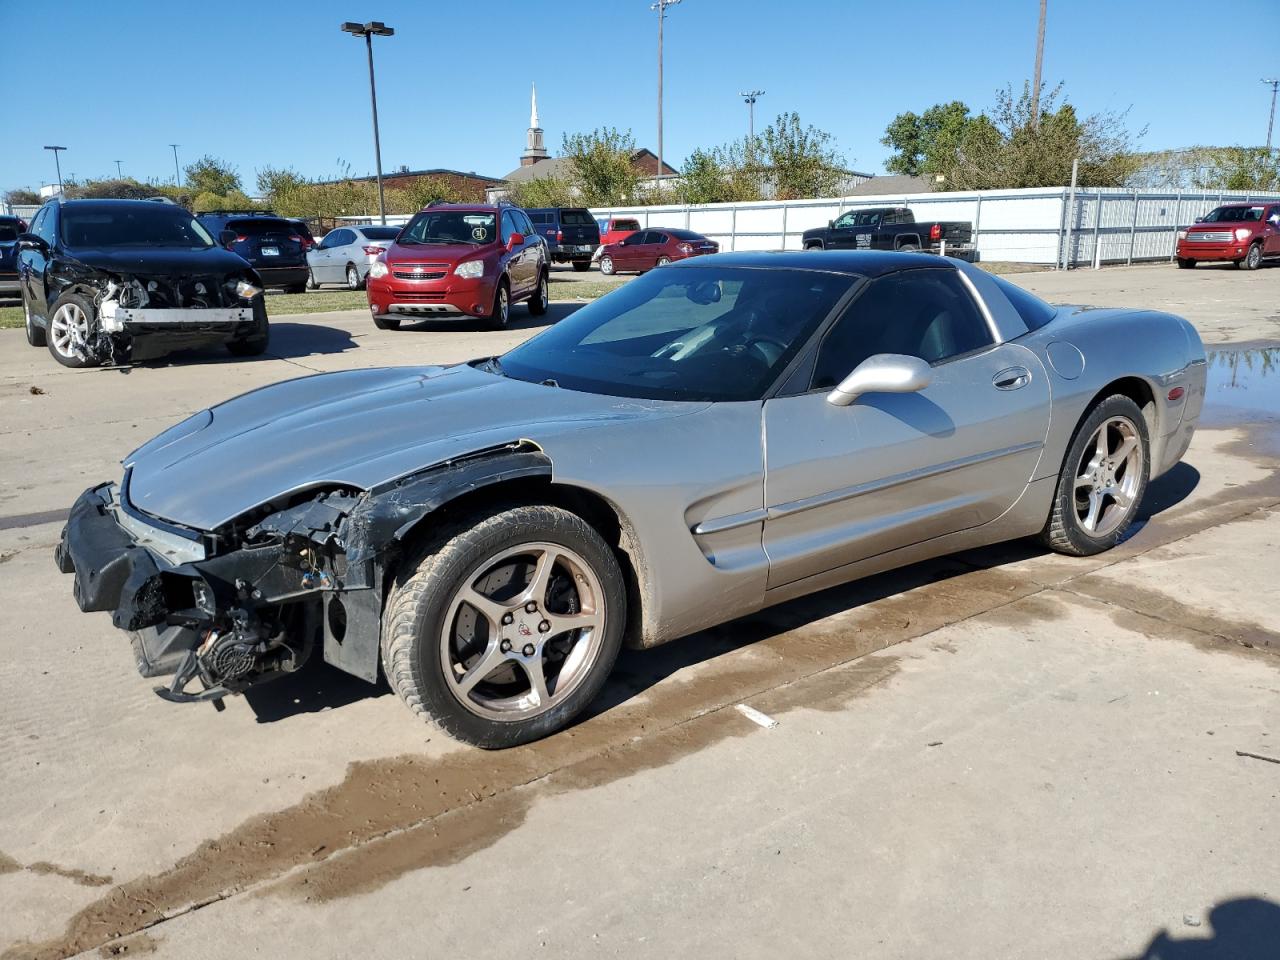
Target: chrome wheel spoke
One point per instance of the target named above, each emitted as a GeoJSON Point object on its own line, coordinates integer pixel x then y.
{"type": "Point", "coordinates": [537, 680]}
{"type": "Point", "coordinates": [1095, 509]}
{"type": "Point", "coordinates": [1127, 446]}
{"type": "Point", "coordinates": [492, 659]}
{"type": "Point", "coordinates": [564, 622]}
{"type": "Point", "coordinates": [490, 609]}
{"type": "Point", "coordinates": [541, 580]}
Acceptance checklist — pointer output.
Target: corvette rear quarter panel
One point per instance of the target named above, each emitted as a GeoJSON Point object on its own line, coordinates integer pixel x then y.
{"type": "Point", "coordinates": [1161, 350]}
{"type": "Point", "coordinates": [665, 478]}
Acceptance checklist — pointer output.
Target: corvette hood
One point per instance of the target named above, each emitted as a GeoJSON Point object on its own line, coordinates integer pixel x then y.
{"type": "Point", "coordinates": [359, 428]}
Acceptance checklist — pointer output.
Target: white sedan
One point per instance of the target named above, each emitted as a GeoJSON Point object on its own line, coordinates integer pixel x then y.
{"type": "Point", "coordinates": [346, 254]}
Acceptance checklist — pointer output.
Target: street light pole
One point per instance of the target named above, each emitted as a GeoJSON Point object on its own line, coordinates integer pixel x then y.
{"type": "Point", "coordinates": [661, 7]}
{"type": "Point", "coordinates": [57, 165]}
{"type": "Point", "coordinates": [177, 175]}
{"type": "Point", "coordinates": [1272, 119]}
{"type": "Point", "coordinates": [749, 97]}
{"type": "Point", "coordinates": [119, 172]}
{"type": "Point", "coordinates": [369, 31]}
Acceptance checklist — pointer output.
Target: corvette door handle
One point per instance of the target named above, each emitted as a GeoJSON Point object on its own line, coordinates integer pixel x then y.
{"type": "Point", "coordinates": [1012, 378]}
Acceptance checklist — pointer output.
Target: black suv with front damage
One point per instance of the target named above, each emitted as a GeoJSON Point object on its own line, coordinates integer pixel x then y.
{"type": "Point", "coordinates": [111, 281]}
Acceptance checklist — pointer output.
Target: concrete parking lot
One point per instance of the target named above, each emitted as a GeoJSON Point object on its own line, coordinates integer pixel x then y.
{"type": "Point", "coordinates": [1006, 753]}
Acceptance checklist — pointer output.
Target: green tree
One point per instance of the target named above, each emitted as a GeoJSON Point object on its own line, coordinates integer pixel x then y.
{"type": "Point", "coordinates": [722, 175]}
{"type": "Point", "coordinates": [1242, 168]}
{"type": "Point", "coordinates": [425, 190]}
{"type": "Point", "coordinates": [21, 195]}
{"type": "Point", "coordinates": [926, 144]}
{"type": "Point", "coordinates": [602, 166]}
{"type": "Point", "coordinates": [110, 188]}
{"type": "Point", "coordinates": [211, 175]}
{"type": "Point", "coordinates": [548, 191]}
{"type": "Point", "coordinates": [800, 161]}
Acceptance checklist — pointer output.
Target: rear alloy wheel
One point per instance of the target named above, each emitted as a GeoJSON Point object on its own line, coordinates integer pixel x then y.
{"type": "Point", "coordinates": [1102, 482]}
{"type": "Point", "coordinates": [909, 248]}
{"type": "Point", "coordinates": [353, 277]}
{"type": "Point", "coordinates": [582, 266]}
{"type": "Point", "coordinates": [1253, 259]}
{"type": "Point", "coordinates": [501, 313]}
{"type": "Point", "coordinates": [541, 297]}
{"type": "Point", "coordinates": [663, 261]}
{"type": "Point", "coordinates": [35, 334]}
{"type": "Point", "coordinates": [606, 265]}
{"type": "Point", "coordinates": [505, 626]}
{"type": "Point", "coordinates": [70, 326]}
{"type": "Point", "coordinates": [1186, 263]}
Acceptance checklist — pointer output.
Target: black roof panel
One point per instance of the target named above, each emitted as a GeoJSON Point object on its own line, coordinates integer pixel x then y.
{"type": "Point", "coordinates": [866, 263]}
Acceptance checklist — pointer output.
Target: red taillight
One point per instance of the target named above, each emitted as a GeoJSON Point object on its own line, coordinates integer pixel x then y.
{"type": "Point", "coordinates": [935, 232]}
{"type": "Point", "coordinates": [559, 236]}
{"type": "Point", "coordinates": [295, 238]}
{"type": "Point", "coordinates": [685, 247]}
{"type": "Point", "coordinates": [241, 238]}
{"type": "Point", "coordinates": [373, 251]}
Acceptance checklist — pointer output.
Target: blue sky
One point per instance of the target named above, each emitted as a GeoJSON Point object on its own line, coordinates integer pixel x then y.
{"type": "Point", "coordinates": [278, 83]}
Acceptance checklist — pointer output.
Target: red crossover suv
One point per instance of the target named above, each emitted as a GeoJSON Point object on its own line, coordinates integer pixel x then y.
{"type": "Point", "coordinates": [1245, 233]}
{"type": "Point", "coordinates": [460, 260]}
{"type": "Point", "coordinates": [646, 249]}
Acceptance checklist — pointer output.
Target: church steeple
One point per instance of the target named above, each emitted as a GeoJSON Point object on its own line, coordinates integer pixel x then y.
{"type": "Point", "coordinates": [534, 150]}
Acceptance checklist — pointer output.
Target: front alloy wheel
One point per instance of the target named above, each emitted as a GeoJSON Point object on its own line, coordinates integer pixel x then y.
{"type": "Point", "coordinates": [606, 265]}
{"type": "Point", "coordinates": [69, 330]}
{"type": "Point", "coordinates": [506, 626]}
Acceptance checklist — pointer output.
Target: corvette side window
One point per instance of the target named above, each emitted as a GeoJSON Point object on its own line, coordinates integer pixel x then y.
{"type": "Point", "coordinates": [921, 313]}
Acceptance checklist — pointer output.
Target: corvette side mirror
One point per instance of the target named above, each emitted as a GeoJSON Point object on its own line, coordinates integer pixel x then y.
{"type": "Point", "coordinates": [882, 373]}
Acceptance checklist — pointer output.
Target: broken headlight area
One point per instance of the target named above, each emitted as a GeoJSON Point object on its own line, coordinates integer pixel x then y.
{"type": "Point", "coordinates": [222, 610]}
{"type": "Point", "coordinates": [130, 306]}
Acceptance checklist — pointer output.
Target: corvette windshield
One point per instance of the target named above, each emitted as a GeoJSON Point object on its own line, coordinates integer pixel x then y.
{"type": "Point", "coordinates": [449, 226]}
{"type": "Point", "coordinates": [695, 333]}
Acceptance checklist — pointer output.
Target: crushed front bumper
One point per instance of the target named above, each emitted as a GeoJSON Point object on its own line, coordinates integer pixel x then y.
{"type": "Point", "coordinates": [114, 318]}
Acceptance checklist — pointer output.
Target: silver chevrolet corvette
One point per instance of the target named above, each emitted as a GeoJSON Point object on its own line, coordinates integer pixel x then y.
{"type": "Point", "coordinates": [714, 437]}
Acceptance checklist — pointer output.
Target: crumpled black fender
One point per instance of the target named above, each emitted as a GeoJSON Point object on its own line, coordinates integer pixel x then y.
{"type": "Point", "coordinates": [368, 529]}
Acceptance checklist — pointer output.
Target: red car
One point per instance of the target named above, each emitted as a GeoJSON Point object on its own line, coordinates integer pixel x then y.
{"type": "Point", "coordinates": [646, 249]}
{"type": "Point", "coordinates": [617, 229]}
{"type": "Point", "coordinates": [460, 260]}
{"type": "Point", "coordinates": [1244, 233]}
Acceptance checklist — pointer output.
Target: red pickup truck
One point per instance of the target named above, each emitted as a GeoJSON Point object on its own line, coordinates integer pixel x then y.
{"type": "Point", "coordinates": [1243, 233]}
{"type": "Point", "coordinates": [616, 229]}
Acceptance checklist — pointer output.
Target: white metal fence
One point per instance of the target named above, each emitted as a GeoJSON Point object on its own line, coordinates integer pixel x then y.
{"type": "Point", "coordinates": [1027, 226]}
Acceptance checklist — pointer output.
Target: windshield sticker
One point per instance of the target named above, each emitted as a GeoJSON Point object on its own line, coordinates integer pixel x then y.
{"type": "Point", "coordinates": [479, 233]}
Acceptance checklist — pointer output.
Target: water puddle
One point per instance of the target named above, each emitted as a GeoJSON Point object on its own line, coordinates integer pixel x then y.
{"type": "Point", "coordinates": [1243, 386]}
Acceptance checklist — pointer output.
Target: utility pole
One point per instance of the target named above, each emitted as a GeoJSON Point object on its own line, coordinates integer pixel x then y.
{"type": "Point", "coordinates": [1272, 119]}
{"type": "Point", "coordinates": [57, 165]}
{"type": "Point", "coordinates": [661, 7]}
{"type": "Point", "coordinates": [749, 98]}
{"type": "Point", "coordinates": [119, 173]}
{"type": "Point", "coordinates": [1035, 83]}
{"type": "Point", "coordinates": [177, 175]}
{"type": "Point", "coordinates": [374, 28]}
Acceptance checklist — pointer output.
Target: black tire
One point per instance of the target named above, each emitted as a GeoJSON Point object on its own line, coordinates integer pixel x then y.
{"type": "Point", "coordinates": [662, 261]}
{"type": "Point", "coordinates": [814, 246]}
{"type": "Point", "coordinates": [422, 596]}
{"type": "Point", "coordinates": [296, 288]}
{"type": "Point", "coordinates": [1186, 263]}
{"type": "Point", "coordinates": [311, 281]}
{"type": "Point", "coordinates": [581, 266]}
{"type": "Point", "coordinates": [36, 335]}
{"type": "Point", "coordinates": [255, 345]}
{"type": "Point", "coordinates": [354, 280]}
{"type": "Point", "coordinates": [540, 299]}
{"type": "Point", "coordinates": [1253, 259]}
{"type": "Point", "coordinates": [606, 266]}
{"type": "Point", "coordinates": [1065, 531]}
{"type": "Point", "coordinates": [500, 313]}
{"type": "Point", "coordinates": [908, 248]}
{"type": "Point", "coordinates": [387, 323]}
{"type": "Point", "coordinates": [72, 301]}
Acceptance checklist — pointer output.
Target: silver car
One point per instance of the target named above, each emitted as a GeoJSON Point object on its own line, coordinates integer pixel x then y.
{"type": "Point", "coordinates": [346, 254]}
{"type": "Point", "coordinates": [720, 435]}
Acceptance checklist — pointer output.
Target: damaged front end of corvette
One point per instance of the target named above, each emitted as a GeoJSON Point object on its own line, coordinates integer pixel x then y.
{"type": "Point", "coordinates": [221, 611]}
